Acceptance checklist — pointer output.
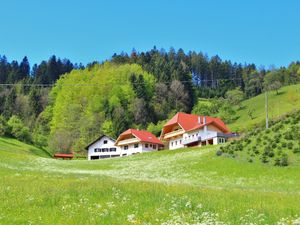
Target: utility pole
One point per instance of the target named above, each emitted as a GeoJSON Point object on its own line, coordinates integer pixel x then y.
{"type": "Point", "coordinates": [266, 106]}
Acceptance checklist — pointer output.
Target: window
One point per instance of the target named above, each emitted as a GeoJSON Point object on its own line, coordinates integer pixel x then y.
{"type": "Point", "coordinates": [105, 149]}
{"type": "Point", "coordinates": [150, 145]}
{"type": "Point", "coordinates": [125, 147]}
{"type": "Point", "coordinates": [171, 143]}
{"type": "Point", "coordinates": [96, 150]}
{"type": "Point", "coordinates": [154, 146]}
{"type": "Point", "coordinates": [136, 145]}
{"type": "Point", "coordinates": [175, 142]}
{"type": "Point", "coordinates": [146, 145]}
{"type": "Point", "coordinates": [105, 142]}
{"type": "Point", "coordinates": [180, 142]}
{"type": "Point", "coordinates": [113, 149]}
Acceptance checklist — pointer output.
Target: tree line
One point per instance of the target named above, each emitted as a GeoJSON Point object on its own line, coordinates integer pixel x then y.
{"type": "Point", "coordinates": [140, 89]}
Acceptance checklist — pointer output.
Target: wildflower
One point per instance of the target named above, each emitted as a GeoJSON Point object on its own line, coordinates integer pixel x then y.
{"type": "Point", "coordinates": [131, 218]}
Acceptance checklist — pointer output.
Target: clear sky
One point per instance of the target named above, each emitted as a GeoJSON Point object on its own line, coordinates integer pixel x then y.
{"type": "Point", "coordinates": [265, 32]}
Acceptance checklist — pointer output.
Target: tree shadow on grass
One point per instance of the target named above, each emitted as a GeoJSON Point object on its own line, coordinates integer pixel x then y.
{"type": "Point", "coordinates": [40, 152]}
{"type": "Point", "coordinates": [10, 143]}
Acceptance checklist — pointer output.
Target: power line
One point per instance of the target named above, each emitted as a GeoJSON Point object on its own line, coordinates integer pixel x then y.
{"type": "Point", "coordinates": [118, 82]}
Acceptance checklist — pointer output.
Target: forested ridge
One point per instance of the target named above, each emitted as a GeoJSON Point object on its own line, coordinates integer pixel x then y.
{"type": "Point", "coordinates": [140, 89]}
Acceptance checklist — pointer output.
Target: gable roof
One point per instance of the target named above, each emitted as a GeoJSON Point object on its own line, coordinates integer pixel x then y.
{"type": "Point", "coordinates": [143, 136]}
{"type": "Point", "coordinates": [190, 122]}
{"type": "Point", "coordinates": [102, 136]}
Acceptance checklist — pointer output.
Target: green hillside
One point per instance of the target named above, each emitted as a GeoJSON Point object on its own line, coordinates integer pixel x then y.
{"type": "Point", "coordinates": [286, 101]}
{"type": "Point", "coordinates": [279, 145]}
{"type": "Point", "coordinates": [187, 186]}
{"type": "Point", "coordinates": [17, 148]}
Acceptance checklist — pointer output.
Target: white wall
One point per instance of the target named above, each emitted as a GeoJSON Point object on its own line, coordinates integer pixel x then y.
{"type": "Point", "coordinates": [175, 143]}
{"type": "Point", "coordinates": [140, 149]}
{"type": "Point", "coordinates": [100, 144]}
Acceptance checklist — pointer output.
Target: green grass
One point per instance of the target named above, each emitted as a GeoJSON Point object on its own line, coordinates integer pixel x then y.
{"type": "Point", "coordinates": [286, 101]}
{"type": "Point", "coordinates": [169, 187]}
{"type": "Point", "coordinates": [279, 145]}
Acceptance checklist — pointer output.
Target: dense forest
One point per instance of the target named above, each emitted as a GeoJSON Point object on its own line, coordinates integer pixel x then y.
{"type": "Point", "coordinates": [64, 105]}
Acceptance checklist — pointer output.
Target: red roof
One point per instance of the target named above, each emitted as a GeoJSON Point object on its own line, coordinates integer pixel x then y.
{"type": "Point", "coordinates": [190, 122]}
{"type": "Point", "coordinates": [143, 135]}
{"type": "Point", "coordinates": [63, 155]}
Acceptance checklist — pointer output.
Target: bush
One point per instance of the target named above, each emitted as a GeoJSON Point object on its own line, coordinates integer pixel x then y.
{"type": "Point", "coordinates": [264, 159]}
{"type": "Point", "coordinates": [18, 130]}
{"type": "Point", "coordinates": [271, 154]}
{"type": "Point", "coordinates": [290, 145]}
{"type": "Point", "coordinates": [283, 144]}
{"type": "Point", "coordinates": [277, 162]}
{"type": "Point", "coordinates": [219, 152]}
{"type": "Point", "coordinates": [3, 126]}
{"type": "Point", "coordinates": [296, 150]}
{"type": "Point", "coordinates": [284, 160]}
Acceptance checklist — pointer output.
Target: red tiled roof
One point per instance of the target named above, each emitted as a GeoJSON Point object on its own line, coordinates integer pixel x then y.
{"type": "Point", "coordinates": [143, 135]}
{"type": "Point", "coordinates": [191, 122]}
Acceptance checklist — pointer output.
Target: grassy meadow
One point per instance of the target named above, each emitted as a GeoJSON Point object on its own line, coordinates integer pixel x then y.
{"type": "Point", "coordinates": [190, 186]}
{"type": "Point", "coordinates": [286, 101]}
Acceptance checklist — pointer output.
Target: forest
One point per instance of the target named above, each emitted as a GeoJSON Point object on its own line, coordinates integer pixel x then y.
{"type": "Point", "coordinates": [63, 105]}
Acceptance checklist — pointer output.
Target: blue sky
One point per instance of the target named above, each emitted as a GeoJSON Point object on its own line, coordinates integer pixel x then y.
{"type": "Point", "coordinates": [265, 32]}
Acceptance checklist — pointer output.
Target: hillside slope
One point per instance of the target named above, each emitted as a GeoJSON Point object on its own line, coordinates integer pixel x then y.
{"type": "Point", "coordinates": [18, 148]}
{"type": "Point", "coordinates": [187, 186]}
{"type": "Point", "coordinates": [279, 145]}
{"type": "Point", "coordinates": [286, 101]}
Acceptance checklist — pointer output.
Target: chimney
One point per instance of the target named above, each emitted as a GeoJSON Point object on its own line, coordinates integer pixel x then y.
{"type": "Point", "coordinates": [204, 122]}
{"type": "Point", "coordinates": [199, 120]}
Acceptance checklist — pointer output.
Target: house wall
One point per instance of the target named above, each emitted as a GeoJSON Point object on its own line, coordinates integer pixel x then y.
{"type": "Point", "coordinates": [175, 143]}
{"type": "Point", "coordinates": [142, 147]}
{"type": "Point", "coordinates": [210, 133]}
{"type": "Point", "coordinates": [100, 144]}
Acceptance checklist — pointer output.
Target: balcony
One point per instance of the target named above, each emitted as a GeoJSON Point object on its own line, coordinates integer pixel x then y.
{"type": "Point", "coordinates": [128, 141]}
{"type": "Point", "coordinates": [203, 136]}
{"type": "Point", "coordinates": [173, 133]}
{"type": "Point", "coordinates": [191, 140]}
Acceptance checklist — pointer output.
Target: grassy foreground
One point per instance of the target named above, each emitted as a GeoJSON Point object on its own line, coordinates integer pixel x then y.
{"type": "Point", "coordinates": [191, 186]}
{"type": "Point", "coordinates": [286, 101]}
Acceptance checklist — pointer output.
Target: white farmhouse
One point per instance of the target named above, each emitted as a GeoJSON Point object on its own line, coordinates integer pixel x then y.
{"type": "Point", "coordinates": [134, 141]}
{"type": "Point", "coordinates": [187, 130]}
{"type": "Point", "coordinates": [103, 147]}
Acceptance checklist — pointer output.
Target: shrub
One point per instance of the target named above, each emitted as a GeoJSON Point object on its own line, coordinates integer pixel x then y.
{"type": "Point", "coordinates": [18, 130]}
{"type": "Point", "coordinates": [264, 159]}
{"type": "Point", "coordinates": [219, 152]}
{"type": "Point", "coordinates": [283, 144]}
{"type": "Point", "coordinates": [296, 150]}
{"type": "Point", "coordinates": [3, 126]}
{"type": "Point", "coordinates": [274, 145]}
{"type": "Point", "coordinates": [290, 145]}
{"type": "Point", "coordinates": [288, 136]}
{"type": "Point", "coordinates": [271, 154]}
{"type": "Point", "coordinates": [284, 160]}
{"type": "Point", "coordinates": [277, 162]}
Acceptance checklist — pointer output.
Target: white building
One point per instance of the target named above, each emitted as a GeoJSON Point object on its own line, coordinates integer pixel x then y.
{"type": "Point", "coordinates": [187, 130]}
{"type": "Point", "coordinates": [103, 147]}
{"type": "Point", "coordinates": [137, 141]}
